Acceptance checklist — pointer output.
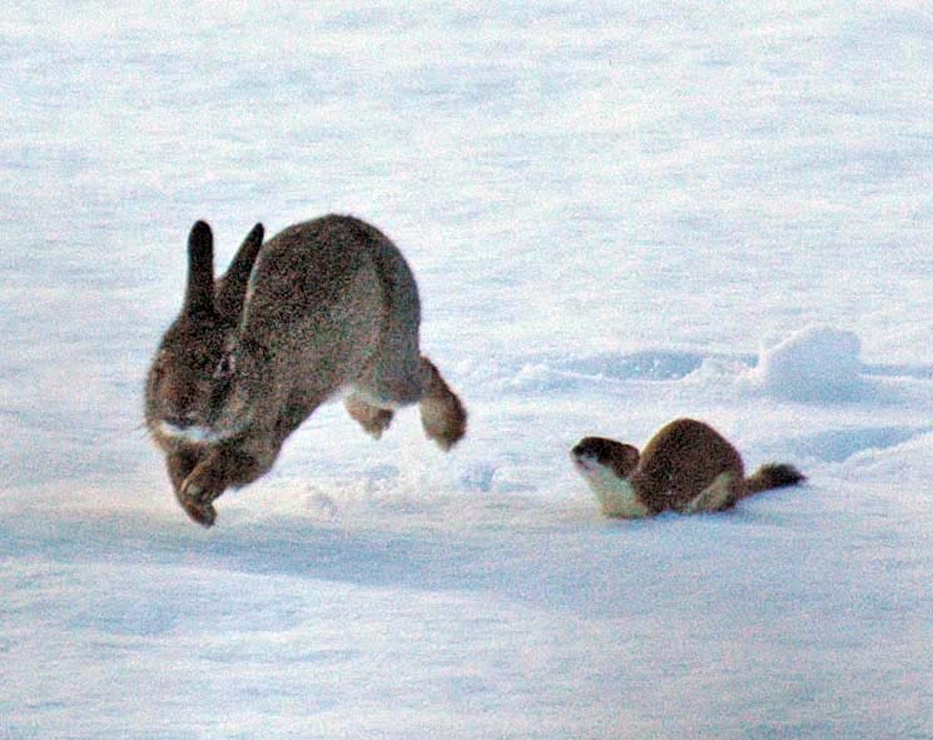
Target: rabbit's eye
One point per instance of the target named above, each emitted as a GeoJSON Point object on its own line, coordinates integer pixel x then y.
{"type": "Point", "coordinates": [225, 368]}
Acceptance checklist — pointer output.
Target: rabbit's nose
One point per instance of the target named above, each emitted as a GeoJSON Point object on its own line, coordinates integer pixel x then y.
{"type": "Point", "coordinates": [181, 420]}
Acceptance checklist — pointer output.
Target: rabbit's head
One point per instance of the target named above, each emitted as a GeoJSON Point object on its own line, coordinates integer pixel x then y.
{"type": "Point", "coordinates": [194, 365]}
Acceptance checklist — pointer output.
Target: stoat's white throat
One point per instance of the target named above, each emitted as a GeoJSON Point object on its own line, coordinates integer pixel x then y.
{"type": "Point", "coordinates": [687, 467]}
{"type": "Point", "coordinates": [616, 495]}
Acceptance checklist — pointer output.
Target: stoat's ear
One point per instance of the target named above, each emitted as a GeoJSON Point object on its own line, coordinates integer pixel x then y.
{"type": "Point", "coordinates": [624, 460]}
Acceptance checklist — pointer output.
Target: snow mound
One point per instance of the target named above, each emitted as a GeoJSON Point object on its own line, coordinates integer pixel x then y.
{"type": "Point", "coordinates": [840, 445]}
{"type": "Point", "coordinates": [816, 364]}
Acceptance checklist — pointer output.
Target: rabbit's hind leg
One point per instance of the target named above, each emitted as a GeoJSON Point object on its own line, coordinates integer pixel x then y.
{"type": "Point", "coordinates": [374, 419]}
{"type": "Point", "coordinates": [383, 387]}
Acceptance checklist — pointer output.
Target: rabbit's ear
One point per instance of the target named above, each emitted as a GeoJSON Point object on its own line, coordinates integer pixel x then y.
{"type": "Point", "coordinates": [199, 295]}
{"type": "Point", "coordinates": [231, 289]}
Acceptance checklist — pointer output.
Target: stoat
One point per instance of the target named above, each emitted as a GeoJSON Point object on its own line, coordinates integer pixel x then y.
{"type": "Point", "coordinates": [686, 467]}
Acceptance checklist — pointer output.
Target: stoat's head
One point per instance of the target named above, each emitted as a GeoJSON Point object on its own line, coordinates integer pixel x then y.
{"type": "Point", "coordinates": [606, 465]}
{"type": "Point", "coordinates": [592, 453]}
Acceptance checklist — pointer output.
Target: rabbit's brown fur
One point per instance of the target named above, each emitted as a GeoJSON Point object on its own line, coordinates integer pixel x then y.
{"type": "Point", "coordinates": [687, 467]}
{"type": "Point", "coordinates": [324, 307]}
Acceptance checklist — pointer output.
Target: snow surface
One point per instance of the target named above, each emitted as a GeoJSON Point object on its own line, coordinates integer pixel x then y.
{"type": "Point", "coordinates": [618, 214]}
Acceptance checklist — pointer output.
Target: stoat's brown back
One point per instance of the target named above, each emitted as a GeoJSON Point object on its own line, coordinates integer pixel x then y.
{"type": "Point", "coordinates": [680, 461]}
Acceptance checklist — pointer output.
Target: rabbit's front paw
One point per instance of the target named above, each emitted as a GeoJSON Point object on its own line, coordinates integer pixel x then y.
{"type": "Point", "coordinates": [196, 501]}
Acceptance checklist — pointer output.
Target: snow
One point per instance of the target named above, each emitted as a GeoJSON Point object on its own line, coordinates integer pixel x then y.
{"type": "Point", "coordinates": [617, 216]}
{"type": "Point", "coordinates": [819, 363]}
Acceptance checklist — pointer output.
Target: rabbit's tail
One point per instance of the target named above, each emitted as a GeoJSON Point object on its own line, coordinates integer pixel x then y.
{"type": "Point", "coordinates": [442, 414]}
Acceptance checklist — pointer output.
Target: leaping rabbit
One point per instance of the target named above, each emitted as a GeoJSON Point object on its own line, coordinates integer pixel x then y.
{"type": "Point", "coordinates": [327, 306]}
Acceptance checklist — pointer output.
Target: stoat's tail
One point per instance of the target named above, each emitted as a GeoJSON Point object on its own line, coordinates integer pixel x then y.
{"type": "Point", "coordinates": [773, 475]}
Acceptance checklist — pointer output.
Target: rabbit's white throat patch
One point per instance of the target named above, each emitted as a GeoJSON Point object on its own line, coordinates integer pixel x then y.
{"type": "Point", "coordinates": [192, 434]}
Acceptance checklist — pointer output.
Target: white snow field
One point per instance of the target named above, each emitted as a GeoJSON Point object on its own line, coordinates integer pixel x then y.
{"type": "Point", "coordinates": [618, 214]}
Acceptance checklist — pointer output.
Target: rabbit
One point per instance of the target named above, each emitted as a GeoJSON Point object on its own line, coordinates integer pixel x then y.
{"type": "Point", "coordinates": [687, 467]}
{"type": "Point", "coordinates": [326, 307]}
